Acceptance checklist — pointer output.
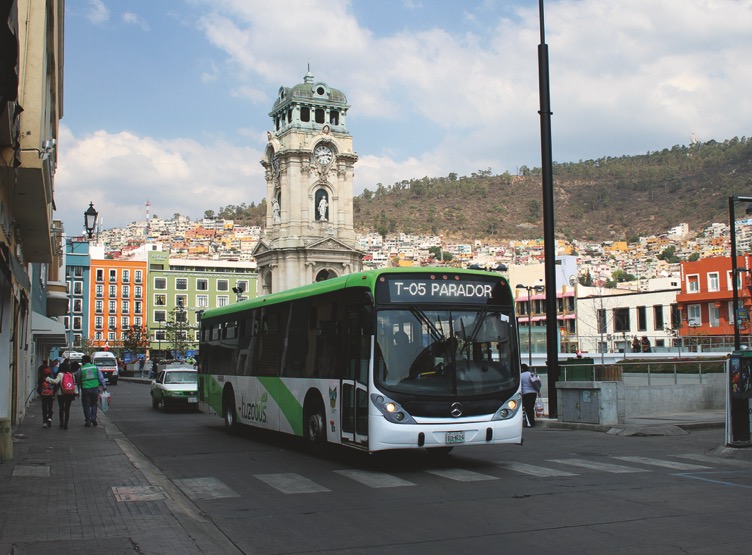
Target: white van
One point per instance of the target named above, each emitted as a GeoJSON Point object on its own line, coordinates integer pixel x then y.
{"type": "Point", "coordinates": [107, 364]}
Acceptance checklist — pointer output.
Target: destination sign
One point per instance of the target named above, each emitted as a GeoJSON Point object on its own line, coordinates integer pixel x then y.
{"type": "Point", "coordinates": [404, 289]}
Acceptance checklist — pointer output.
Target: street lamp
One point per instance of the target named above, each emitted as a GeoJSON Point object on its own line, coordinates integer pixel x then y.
{"type": "Point", "coordinates": [739, 409]}
{"type": "Point", "coordinates": [90, 219]}
{"type": "Point", "coordinates": [530, 289]}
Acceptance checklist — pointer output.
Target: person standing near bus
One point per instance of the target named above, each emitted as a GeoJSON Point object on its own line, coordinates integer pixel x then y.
{"type": "Point", "coordinates": [89, 378]}
{"type": "Point", "coordinates": [530, 388]}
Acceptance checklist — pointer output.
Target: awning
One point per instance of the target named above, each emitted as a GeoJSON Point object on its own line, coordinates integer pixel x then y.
{"type": "Point", "coordinates": [47, 331]}
{"type": "Point", "coordinates": [16, 269]}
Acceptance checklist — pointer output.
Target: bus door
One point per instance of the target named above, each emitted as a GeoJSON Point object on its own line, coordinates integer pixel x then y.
{"type": "Point", "coordinates": [355, 383]}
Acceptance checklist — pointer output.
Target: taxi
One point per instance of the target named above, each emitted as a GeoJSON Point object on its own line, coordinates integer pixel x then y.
{"type": "Point", "coordinates": [175, 387]}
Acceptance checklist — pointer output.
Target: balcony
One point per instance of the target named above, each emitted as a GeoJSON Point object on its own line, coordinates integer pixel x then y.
{"type": "Point", "coordinates": [57, 298]}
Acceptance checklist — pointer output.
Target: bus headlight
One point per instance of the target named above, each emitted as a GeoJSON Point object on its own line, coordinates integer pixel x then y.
{"type": "Point", "coordinates": [392, 411]}
{"type": "Point", "coordinates": [509, 409]}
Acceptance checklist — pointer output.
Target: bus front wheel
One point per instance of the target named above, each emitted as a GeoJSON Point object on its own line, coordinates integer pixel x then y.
{"type": "Point", "coordinates": [315, 427]}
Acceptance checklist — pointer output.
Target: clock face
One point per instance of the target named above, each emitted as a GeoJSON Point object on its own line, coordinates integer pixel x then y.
{"type": "Point", "coordinates": [323, 154]}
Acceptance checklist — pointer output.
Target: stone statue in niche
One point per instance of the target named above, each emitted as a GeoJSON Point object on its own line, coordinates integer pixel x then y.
{"type": "Point", "coordinates": [323, 206]}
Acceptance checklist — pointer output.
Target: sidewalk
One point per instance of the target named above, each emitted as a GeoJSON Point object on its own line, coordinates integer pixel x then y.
{"type": "Point", "coordinates": [665, 424]}
{"type": "Point", "coordinates": [89, 490]}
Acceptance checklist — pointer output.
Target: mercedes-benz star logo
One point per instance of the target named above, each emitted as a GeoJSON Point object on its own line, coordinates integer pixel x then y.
{"type": "Point", "coordinates": [456, 410]}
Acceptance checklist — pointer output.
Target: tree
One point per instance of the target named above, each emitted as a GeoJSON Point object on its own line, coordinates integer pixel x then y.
{"type": "Point", "coordinates": [620, 276]}
{"type": "Point", "coordinates": [177, 330]}
{"type": "Point", "coordinates": [135, 340]}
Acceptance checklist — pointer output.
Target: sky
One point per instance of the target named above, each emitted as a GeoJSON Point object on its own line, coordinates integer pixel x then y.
{"type": "Point", "coordinates": [168, 101]}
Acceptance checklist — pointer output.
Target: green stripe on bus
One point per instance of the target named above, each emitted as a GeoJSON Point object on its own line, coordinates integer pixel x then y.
{"type": "Point", "coordinates": [286, 401]}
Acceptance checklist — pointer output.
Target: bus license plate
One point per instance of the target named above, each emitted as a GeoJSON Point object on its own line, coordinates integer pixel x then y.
{"type": "Point", "coordinates": [455, 437]}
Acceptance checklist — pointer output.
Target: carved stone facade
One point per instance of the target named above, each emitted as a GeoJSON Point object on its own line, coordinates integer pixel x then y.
{"type": "Point", "coordinates": [309, 190]}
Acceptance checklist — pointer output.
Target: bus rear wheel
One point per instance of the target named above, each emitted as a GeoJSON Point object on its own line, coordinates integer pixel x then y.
{"type": "Point", "coordinates": [315, 427]}
{"type": "Point", "coordinates": [231, 418]}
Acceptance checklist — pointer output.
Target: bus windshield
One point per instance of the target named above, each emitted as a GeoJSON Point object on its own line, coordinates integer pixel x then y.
{"type": "Point", "coordinates": [445, 352]}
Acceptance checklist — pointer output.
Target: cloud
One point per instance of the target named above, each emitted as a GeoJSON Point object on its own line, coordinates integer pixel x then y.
{"type": "Point", "coordinates": [135, 19]}
{"type": "Point", "coordinates": [97, 12]}
{"type": "Point", "coordinates": [119, 172]}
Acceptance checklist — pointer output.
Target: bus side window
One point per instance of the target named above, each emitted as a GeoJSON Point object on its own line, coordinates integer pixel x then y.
{"type": "Point", "coordinates": [273, 324]}
{"type": "Point", "coordinates": [296, 353]}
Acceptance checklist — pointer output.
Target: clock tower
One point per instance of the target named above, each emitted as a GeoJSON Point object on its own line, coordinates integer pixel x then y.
{"type": "Point", "coordinates": [309, 190]}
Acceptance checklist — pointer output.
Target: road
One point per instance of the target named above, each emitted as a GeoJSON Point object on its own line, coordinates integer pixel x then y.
{"type": "Point", "coordinates": [564, 491]}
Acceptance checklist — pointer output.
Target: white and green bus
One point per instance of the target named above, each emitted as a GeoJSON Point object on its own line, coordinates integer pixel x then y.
{"type": "Point", "coordinates": [397, 358]}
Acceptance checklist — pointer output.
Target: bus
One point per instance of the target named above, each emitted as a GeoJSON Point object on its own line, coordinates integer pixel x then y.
{"type": "Point", "coordinates": [397, 358]}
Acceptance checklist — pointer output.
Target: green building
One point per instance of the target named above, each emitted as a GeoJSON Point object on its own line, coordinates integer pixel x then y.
{"type": "Point", "coordinates": [180, 290]}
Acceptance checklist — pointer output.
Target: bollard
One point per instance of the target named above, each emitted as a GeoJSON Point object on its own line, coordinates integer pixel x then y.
{"type": "Point", "coordinates": [6, 441]}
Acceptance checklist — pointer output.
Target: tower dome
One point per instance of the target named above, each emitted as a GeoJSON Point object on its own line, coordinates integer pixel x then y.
{"type": "Point", "coordinates": [310, 105]}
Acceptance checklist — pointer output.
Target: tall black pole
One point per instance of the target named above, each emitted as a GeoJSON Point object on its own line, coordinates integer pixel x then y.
{"type": "Point", "coordinates": [739, 409]}
{"type": "Point", "coordinates": [549, 248]}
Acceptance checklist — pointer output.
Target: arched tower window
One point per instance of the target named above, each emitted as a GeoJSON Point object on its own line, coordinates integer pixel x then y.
{"type": "Point", "coordinates": [321, 207]}
{"type": "Point", "coordinates": [324, 275]}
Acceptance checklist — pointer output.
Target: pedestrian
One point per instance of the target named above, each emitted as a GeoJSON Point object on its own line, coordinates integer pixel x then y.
{"type": "Point", "coordinates": [65, 386]}
{"type": "Point", "coordinates": [154, 369]}
{"type": "Point", "coordinates": [636, 345]}
{"type": "Point", "coordinates": [141, 363]}
{"type": "Point", "coordinates": [645, 344]}
{"type": "Point", "coordinates": [531, 385]}
{"type": "Point", "coordinates": [47, 392]}
{"type": "Point", "coordinates": [89, 378]}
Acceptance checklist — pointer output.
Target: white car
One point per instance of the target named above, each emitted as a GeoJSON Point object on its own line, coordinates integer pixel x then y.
{"type": "Point", "coordinates": [175, 387]}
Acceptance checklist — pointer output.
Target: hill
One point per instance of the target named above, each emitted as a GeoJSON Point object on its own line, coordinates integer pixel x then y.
{"type": "Point", "coordinates": [612, 198]}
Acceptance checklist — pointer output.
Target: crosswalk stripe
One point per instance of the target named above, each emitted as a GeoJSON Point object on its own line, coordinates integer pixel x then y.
{"type": "Point", "coordinates": [374, 479]}
{"type": "Point", "coordinates": [540, 471]}
{"type": "Point", "coordinates": [205, 488]}
{"type": "Point", "coordinates": [714, 460]}
{"type": "Point", "coordinates": [291, 483]}
{"type": "Point", "coordinates": [605, 467]}
{"type": "Point", "coordinates": [666, 464]}
{"type": "Point", "coordinates": [461, 475]}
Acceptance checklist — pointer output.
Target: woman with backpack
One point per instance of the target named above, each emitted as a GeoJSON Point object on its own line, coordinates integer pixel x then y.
{"type": "Point", "coordinates": [65, 384]}
{"type": "Point", "coordinates": [47, 393]}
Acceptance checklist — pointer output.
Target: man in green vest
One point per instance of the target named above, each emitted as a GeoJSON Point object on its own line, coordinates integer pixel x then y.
{"type": "Point", "coordinates": [89, 378]}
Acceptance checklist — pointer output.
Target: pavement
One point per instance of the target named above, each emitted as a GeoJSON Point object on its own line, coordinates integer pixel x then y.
{"type": "Point", "coordinates": [90, 490]}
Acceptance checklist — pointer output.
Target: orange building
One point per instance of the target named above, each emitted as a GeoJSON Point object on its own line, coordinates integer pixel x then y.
{"type": "Point", "coordinates": [118, 300]}
{"type": "Point", "coordinates": [706, 298]}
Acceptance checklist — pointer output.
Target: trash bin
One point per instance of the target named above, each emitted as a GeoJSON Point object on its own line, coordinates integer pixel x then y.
{"type": "Point", "coordinates": [577, 369]}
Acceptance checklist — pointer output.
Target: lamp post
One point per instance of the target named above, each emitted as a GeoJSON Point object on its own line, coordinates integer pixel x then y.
{"type": "Point", "coordinates": [530, 289]}
{"type": "Point", "coordinates": [90, 219]}
{"type": "Point", "coordinates": [738, 413]}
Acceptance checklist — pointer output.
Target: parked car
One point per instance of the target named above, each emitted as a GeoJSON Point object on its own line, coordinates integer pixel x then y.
{"type": "Point", "coordinates": [107, 364]}
{"type": "Point", "coordinates": [175, 387]}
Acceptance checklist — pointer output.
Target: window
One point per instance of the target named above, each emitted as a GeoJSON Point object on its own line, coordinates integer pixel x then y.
{"type": "Point", "coordinates": [138, 291]}
{"type": "Point", "coordinates": [160, 283]}
{"type": "Point", "coordinates": [100, 274]}
{"type": "Point", "coordinates": [138, 307]}
{"type": "Point", "coordinates": [202, 301]}
{"type": "Point", "coordinates": [113, 276]}
{"type": "Point", "coordinates": [714, 315]}
{"type": "Point", "coordinates": [78, 287]}
{"type": "Point", "coordinates": [126, 276]}
{"type": "Point", "coordinates": [305, 114]}
{"type": "Point", "coordinates": [181, 300]}
{"type": "Point", "coordinates": [139, 274]}
{"type": "Point", "coordinates": [113, 291]}
{"type": "Point", "coordinates": [137, 322]}
{"type": "Point", "coordinates": [126, 307]}
{"type": "Point", "coordinates": [78, 271]}
{"type": "Point", "coordinates": [202, 285]}
{"type": "Point", "coordinates": [602, 326]}
{"type": "Point", "coordinates": [111, 322]}
{"type": "Point", "coordinates": [98, 322]}
{"type": "Point", "coordinates": [713, 282]}
{"type": "Point", "coordinates": [160, 316]}
{"type": "Point", "coordinates": [77, 305]}
{"type": "Point", "coordinates": [160, 300]}
{"type": "Point", "coordinates": [126, 291]}
{"type": "Point", "coordinates": [111, 336]}
{"type": "Point", "coordinates": [621, 320]}
{"type": "Point", "coordinates": [181, 284]}
{"type": "Point", "coordinates": [124, 323]}
{"type": "Point", "coordinates": [99, 307]}
{"type": "Point", "coordinates": [731, 317]}
{"type": "Point", "coordinates": [223, 300]}
{"type": "Point", "coordinates": [694, 315]}
{"type": "Point", "coordinates": [642, 318]}
{"type": "Point", "coordinates": [76, 322]}
{"type": "Point", "coordinates": [160, 335]}
{"type": "Point", "coordinates": [693, 284]}
{"type": "Point", "coordinates": [658, 317]}
{"type": "Point", "coordinates": [223, 285]}
{"type": "Point", "coordinates": [112, 307]}
{"type": "Point", "coordinates": [98, 336]}
{"type": "Point", "coordinates": [99, 291]}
